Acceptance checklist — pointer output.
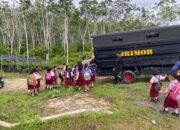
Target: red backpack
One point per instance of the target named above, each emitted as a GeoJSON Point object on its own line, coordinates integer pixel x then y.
{"type": "Point", "coordinates": [175, 93]}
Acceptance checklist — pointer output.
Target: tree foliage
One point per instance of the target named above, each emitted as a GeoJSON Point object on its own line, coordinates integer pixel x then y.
{"type": "Point", "coordinates": [37, 28]}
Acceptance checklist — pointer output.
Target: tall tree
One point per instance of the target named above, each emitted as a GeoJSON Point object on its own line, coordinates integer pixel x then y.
{"type": "Point", "coordinates": [66, 6]}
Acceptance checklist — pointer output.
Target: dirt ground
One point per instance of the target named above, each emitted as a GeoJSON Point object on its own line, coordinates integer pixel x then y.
{"type": "Point", "coordinates": [19, 84]}
{"type": "Point", "coordinates": [75, 102]}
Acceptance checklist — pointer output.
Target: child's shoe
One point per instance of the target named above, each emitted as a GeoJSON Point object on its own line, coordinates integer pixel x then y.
{"type": "Point", "coordinates": [175, 114]}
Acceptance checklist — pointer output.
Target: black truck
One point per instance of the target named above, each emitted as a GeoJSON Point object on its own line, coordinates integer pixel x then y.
{"type": "Point", "coordinates": [140, 50]}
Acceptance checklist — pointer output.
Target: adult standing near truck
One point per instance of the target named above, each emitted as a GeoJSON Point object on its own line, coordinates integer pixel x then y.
{"type": "Point", "coordinates": [175, 68]}
{"type": "Point", "coordinates": [118, 67]}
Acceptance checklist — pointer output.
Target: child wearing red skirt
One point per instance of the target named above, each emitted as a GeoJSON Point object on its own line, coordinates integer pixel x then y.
{"type": "Point", "coordinates": [93, 76]}
{"type": "Point", "coordinates": [79, 79]}
{"type": "Point", "coordinates": [48, 79]}
{"type": "Point", "coordinates": [169, 102]}
{"type": "Point", "coordinates": [31, 83]}
{"type": "Point", "coordinates": [38, 78]}
{"type": "Point", "coordinates": [154, 94]}
{"type": "Point", "coordinates": [87, 77]}
{"type": "Point", "coordinates": [68, 78]}
{"type": "Point", "coordinates": [55, 77]}
{"type": "Point", "coordinates": [62, 76]}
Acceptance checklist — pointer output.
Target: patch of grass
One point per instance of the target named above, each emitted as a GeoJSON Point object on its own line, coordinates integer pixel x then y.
{"type": "Point", "coordinates": [20, 107]}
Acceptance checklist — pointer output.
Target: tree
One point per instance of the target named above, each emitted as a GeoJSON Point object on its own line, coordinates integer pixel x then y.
{"type": "Point", "coordinates": [66, 7]}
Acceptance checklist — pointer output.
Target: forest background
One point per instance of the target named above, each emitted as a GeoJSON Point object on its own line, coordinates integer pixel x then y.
{"type": "Point", "coordinates": [59, 31]}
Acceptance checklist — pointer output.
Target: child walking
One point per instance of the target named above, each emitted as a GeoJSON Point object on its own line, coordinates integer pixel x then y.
{"type": "Point", "coordinates": [87, 77]}
{"type": "Point", "coordinates": [155, 79]}
{"type": "Point", "coordinates": [79, 77]}
{"type": "Point", "coordinates": [48, 79]}
{"type": "Point", "coordinates": [169, 102]}
{"type": "Point", "coordinates": [31, 83]}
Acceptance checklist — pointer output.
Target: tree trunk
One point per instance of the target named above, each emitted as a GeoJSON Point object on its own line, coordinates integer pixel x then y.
{"type": "Point", "coordinates": [66, 37]}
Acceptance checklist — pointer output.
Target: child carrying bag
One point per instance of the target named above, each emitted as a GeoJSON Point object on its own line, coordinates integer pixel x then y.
{"type": "Point", "coordinates": [175, 93]}
{"type": "Point", "coordinates": [158, 85]}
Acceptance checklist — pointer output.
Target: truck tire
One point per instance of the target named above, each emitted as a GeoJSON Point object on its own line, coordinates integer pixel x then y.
{"type": "Point", "coordinates": [128, 77]}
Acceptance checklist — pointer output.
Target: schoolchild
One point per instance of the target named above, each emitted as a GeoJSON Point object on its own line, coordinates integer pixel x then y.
{"type": "Point", "coordinates": [79, 76]}
{"type": "Point", "coordinates": [62, 76]}
{"type": "Point", "coordinates": [38, 80]}
{"type": "Point", "coordinates": [68, 77]}
{"type": "Point", "coordinates": [93, 76]}
{"type": "Point", "coordinates": [169, 102]}
{"type": "Point", "coordinates": [74, 71]}
{"type": "Point", "coordinates": [55, 76]}
{"type": "Point", "coordinates": [31, 83]}
{"type": "Point", "coordinates": [87, 77]}
{"type": "Point", "coordinates": [155, 80]}
{"type": "Point", "coordinates": [48, 79]}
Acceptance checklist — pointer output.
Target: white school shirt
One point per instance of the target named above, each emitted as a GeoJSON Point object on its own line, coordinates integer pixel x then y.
{"type": "Point", "coordinates": [37, 75]}
{"type": "Point", "coordinates": [155, 79]}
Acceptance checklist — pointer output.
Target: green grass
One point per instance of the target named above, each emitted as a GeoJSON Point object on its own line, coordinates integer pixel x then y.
{"type": "Point", "coordinates": [124, 102]}
{"type": "Point", "coordinates": [20, 107]}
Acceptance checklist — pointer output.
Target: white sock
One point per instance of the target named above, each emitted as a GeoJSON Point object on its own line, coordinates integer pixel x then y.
{"type": "Point", "coordinates": [166, 109]}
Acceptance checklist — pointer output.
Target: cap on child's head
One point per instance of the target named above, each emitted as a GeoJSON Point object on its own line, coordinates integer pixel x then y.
{"type": "Point", "coordinates": [154, 71]}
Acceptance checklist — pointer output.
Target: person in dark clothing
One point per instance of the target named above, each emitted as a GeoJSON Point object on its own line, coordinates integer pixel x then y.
{"type": "Point", "coordinates": [117, 68]}
{"type": "Point", "coordinates": [175, 68]}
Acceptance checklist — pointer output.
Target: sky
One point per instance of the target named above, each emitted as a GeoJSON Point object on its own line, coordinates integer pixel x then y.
{"type": "Point", "coordinates": [141, 3]}
{"type": "Point", "coordinates": [145, 3]}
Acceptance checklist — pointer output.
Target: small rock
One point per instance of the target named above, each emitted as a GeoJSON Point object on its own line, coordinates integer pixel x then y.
{"type": "Point", "coordinates": [153, 122]}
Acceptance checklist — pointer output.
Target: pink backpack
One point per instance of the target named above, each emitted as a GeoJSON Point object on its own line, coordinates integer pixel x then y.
{"type": "Point", "coordinates": [48, 76]}
{"type": "Point", "coordinates": [175, 93]}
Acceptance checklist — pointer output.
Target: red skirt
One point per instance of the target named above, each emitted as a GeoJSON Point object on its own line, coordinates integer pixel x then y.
{"type": "Point", "coordinates": [170, 103]}
{"type": "Point", "coordinates": [153, 92]}
{"type": "Point", "coordinates": [87, 82]}
{"type": "Point", "coordinates": [68, 82]}
{"type": "Point", "coordinates": [79, 81]}
{"type": "Point", "coordinates": [30, 87]}
{"type": "Point", "coordinates": [49, 82]}
{"type": "Point", "coordinates": [62, 79]}
{"type": "Point", "coordinates": [38, 83]}
{"type": "Point", "coordinates": [93, 79]}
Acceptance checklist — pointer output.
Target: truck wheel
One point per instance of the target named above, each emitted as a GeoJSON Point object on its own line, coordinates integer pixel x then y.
{"type": "Point", "coordinates": [128, 77]}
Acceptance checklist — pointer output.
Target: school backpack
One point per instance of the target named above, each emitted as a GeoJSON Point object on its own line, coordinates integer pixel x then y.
{"type": "Point", "coordinates": [87, 75]}
{"type": "Point", "coordinates": [175, 93]}
{"type": "Point", "coordinates": [158, 85]}
{"type": "Point", "coordinates": [31, 80]}
{"type": "Point", "coordinates": [48, 76]}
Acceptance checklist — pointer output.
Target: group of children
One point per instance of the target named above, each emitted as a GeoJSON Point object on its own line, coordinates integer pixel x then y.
{"type": "Point", "coordinates": [170, 102]}
{"type": "Point", "coordinates": [80, 76]}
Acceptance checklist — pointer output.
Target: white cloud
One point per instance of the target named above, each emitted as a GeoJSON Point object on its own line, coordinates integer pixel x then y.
{"type": "Point", "coordinates": [145, 3]}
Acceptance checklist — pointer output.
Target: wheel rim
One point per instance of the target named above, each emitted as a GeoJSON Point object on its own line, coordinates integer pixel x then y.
{"type": "Point", "coordinates": [128, 77]}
